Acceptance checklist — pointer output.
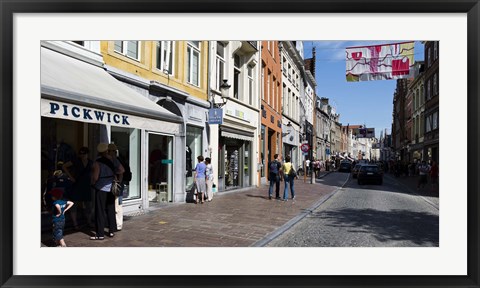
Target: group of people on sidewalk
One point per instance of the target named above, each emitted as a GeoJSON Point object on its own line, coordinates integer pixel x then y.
{"type": "Point", "coordinates": [87, 177]}
{"type": "Point", "coordinates": [425, 171]}
{"type": "Point", "coordinates": [279, 172]}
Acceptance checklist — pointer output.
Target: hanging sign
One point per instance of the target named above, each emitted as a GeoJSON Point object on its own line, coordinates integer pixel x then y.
{"type": "Point", "coordinates": [215, 116]}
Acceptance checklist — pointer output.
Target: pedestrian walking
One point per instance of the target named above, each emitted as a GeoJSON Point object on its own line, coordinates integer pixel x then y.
{"type": "Point", "coordinates": [274, 168]}
{"type": "Point", "coordinates": [199, 179]}
{"type": "Point", "coordinates": [209, 178]}
{"type": "Point", "coordinates": [289, 177]}
{"type": "Point", "coordinates": [60, 206]}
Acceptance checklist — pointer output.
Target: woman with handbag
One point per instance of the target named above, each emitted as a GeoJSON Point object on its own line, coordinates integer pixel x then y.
{"type": "Point", "coordinates": [103, 175]}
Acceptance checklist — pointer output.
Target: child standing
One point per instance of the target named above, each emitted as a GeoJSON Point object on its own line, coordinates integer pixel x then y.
{"type": "Point", "coordinates": [60, 206]}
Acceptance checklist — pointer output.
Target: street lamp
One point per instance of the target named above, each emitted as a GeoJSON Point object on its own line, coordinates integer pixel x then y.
{"type": "Point", "coordinates": [224, 94]}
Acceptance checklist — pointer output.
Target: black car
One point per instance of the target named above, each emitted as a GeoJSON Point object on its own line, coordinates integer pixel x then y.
{"type": "Point", "coordinates": [345, 167]}
{"type": "Point", "coordinates": [370, 173]}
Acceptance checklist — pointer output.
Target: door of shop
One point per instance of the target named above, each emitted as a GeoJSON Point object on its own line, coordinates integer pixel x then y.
{"type": "Point", "coordinates": [160, 168]}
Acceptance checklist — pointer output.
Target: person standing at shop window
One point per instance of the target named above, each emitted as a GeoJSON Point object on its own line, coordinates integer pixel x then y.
{"type": "Point", "coordinates": [209, 178]}
{"type": "Point", "coordinates": [103, 174]}
{"type": "Point", "coordinates": [199, 178]}
{"type": "Point", "coordinates": [79, 171]}
{"type": "Point", "coordinates": [119, 171]}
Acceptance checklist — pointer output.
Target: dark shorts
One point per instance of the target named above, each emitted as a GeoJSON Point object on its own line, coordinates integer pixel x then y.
{"type": "Point", "coordinates": [58, 227]}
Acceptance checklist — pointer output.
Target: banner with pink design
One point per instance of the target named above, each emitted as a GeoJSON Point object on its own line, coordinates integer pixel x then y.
{"type": "Point", "coordinates": [379, 62]}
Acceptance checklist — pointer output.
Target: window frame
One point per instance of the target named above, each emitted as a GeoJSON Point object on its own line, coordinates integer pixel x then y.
{"type": "Point", "coordinates": [191, 49]}
{"type": "Point", "coordinates": [171, 51]}
{"type": "Point", "coordinates": [124, 48]}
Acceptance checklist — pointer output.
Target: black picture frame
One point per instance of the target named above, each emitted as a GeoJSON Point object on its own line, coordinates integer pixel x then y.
{"type": "Point", "coordinates": [10, 7]}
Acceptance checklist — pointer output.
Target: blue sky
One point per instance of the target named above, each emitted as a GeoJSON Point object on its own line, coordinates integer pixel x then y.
{"type": "Point", "coordinates": [358, 103]}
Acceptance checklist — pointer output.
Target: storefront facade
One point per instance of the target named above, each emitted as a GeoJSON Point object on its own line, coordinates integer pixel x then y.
{"type": "Point", "coordinates": [82, 105]}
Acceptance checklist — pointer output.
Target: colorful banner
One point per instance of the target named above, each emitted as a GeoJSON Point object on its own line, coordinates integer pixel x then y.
{"type": "Point", "coordinates": [379, 62]}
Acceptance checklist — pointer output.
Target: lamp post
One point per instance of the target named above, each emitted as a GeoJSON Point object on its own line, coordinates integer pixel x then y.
{"type": "Point", "coordinates": [224, 94]}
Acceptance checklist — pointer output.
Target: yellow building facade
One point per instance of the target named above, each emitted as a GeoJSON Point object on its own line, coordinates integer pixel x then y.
{"type": "Point", "coordinates": [174, 75]}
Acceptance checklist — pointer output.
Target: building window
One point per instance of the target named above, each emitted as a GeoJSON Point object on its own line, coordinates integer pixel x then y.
{"type": "Point", "coordinates": [263, 82]}
{"type": "Point", "coordinates": [193, 62]}
{"type": "Point", "coordinates": [268, 87]}
{"type": "Point", "coordinates": [429, 94]}
{"type": "Point", "coordinates": [435, 84]}
{"type": "Point", "coordinates": [220, 64]}
{"type": "Point", "coordinates": [165, 56]}
{"type": "Point", "coordinates": [429, 56]}
{"type": "Point", "coordinates": [428, 123]}
{"type": "Point", "coordinates": [274, 93]}
{"type": "Point", "coordinates": [435, 121]}
{"type": "Point", "coordinates": [128, 48]}
{"type": "Point", "coordinates": [236, 75]}
{"type": "Point", "coordinates": [284, 66]}
{"type": "Point", "coordinates": [435, 50]}
{"type": "Point", "coordinates": [251, 84]}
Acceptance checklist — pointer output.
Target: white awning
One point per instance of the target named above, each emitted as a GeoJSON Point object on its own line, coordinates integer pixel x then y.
{"type": "Point", "coordinates": [76, 90]}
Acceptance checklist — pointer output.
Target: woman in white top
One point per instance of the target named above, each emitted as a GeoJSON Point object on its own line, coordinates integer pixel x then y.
{"type": "Point", "coordinates": [209, 178]}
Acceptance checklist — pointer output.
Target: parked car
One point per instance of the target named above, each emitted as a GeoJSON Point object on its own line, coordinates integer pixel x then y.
{"type": "Point", "coordinates": [345, 167]}
{"type": "Point", "coordinates": [370, 173]}
{"type": "Point", "coordinates": [355, 170]}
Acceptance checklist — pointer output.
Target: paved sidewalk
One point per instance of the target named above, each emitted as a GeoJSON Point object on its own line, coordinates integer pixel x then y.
{"type": "Point", "coordinates": [233, 219]}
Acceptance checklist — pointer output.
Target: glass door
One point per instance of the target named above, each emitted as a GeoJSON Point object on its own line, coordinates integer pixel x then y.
{"type": "Point", "coordinates": [160, 168]}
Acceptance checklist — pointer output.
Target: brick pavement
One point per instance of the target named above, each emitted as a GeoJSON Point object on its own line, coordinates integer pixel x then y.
{"type": "Point", "coordinates": [232, 219]}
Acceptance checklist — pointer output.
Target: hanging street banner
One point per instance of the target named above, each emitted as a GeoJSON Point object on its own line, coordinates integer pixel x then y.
{"type": "Point", "coordinates": [379, 62]}
{"type": "Point", "coordinates": [364, 132]}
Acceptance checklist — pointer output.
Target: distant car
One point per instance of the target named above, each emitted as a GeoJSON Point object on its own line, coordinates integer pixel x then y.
{"type": "Point", "coordinates": [355, 170]}
{"type": "Point", "coordinates": [345, 167]}
{"type": "Point", "coordinates": [370, 173]}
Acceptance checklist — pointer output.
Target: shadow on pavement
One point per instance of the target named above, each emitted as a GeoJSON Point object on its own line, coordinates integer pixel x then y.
{"type": "Point", "coordinates": [385, 226]}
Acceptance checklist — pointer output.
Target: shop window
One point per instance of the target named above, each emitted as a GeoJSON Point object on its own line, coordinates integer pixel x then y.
{"type": "Point", "coordinates": [193, 150]}
{"type": "Point", "coordinates": [127, 141]}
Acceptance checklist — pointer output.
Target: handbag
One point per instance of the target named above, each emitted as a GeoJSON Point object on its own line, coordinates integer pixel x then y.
{"type": "Point", "coordinates": [116, 188]}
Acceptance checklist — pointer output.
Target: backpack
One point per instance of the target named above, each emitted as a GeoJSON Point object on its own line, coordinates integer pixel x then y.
{"type": "Point", "coordinates": [292, 172]}
{"type": "Point", "coordinates": [274, 167]}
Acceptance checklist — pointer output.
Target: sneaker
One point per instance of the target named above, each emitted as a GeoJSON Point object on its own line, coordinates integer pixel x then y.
{"type": "Point", "coordinates": [269, 197]}
{"type": "Point", "coordinates": [278, 198]}
{"type": "Point", "coordinates": [285, 200]}
{"type": "Point", "coordinates": [293, 198]}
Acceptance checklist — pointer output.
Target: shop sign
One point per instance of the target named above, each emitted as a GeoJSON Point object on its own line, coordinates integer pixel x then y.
{"type": "Point", "coordinates": [75, 112]}
{"type": "Point", "coordinates": [215, 116]}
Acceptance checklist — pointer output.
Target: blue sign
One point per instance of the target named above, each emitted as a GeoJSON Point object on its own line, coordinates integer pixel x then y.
{"type": "Point", "coordinates": [215, 116]}
{"type": "Point", "coordinates": [327, 151]}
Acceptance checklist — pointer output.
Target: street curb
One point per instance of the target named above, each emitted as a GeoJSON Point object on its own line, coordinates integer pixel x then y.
{"type": "Point", "coordinates": [279, 231]}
